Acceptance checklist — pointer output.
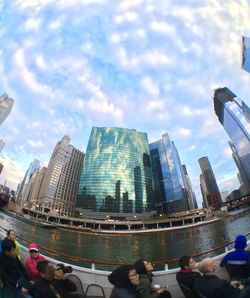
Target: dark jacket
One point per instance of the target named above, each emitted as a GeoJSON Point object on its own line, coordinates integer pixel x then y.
{"type": "Point", "coordinates": [43, 288]}
{"type": "Point", "coordinates": [144, 289]}
{"type": "Point", "coordinates": [187, 278]}
{"type": "Point", "coordinates": [122, 285]}
{"type": "Point", "coordinates": [213, 287]}
{"type": "Point", "coordinates": [14, 273]}
{"type": "Point", "coordinates": [64, 287]}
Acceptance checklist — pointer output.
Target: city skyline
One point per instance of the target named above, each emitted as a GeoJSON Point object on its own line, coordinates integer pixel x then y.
{"type": "Point", "coordinates": [134, 64]}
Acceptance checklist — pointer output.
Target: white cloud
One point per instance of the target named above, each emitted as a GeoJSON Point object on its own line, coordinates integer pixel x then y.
{"type": "Point", "coordinates": [162, 27]}
{"type": "Point", "coordinates": [12, 173]}
{"type": "Point", "coordinates": [182, 132]}
{"type": "Point", "coordinates": [32, 24]}
{"type": "Point", "coordinates": [150, 86]}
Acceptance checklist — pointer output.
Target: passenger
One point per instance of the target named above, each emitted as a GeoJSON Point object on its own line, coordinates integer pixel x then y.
{"type": "Point", "coordinates": [52, 283]}
{"type": "Point", "coordinates": [43, 285]}
{"type": "Point", "coordinates": [144, 289]}
{"type": "Point", "coordinates": [125, 279]}
{"type": "Point", "coordinates": [210, 285]}
{"type": "Point", "coordinates": [240, 256]}
{"type": "Point", "coordinates": [11, 235]}
{"type": "Point", "coordinates": [13, 271]}
{"type": "Point", "coordinates": [33, 259]}
{"type": "Point", "coordinates": [186, 275]}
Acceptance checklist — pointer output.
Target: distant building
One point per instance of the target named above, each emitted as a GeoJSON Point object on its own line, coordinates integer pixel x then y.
{"type": "Point", "coordinates": [35, 188]}
{"type": "Point", "coordinates": [223, 195]}
{"type": "Point", "coordinates": [209, 187]}
{"type": "Point", "coordinates": [246, 53]}
{"type": "Point", "coordinates": [1, 168]}
{"type": "Point", "coordinates": [1, 145]}
{"type": "Point", "coordinates": [234, 115]}
{"type": "Point", "coordinates": [25, 185]}
{"type": "Point", "coordinates": [6, 104]}
{"type": "Point", "coordinates": [171, 187]}
{"type": "Point", "coordinates": [116, 175]}
{"type": "Point", "coordinates": [192, 202]}
{"type": "Point", "coordinates": [61, 179]}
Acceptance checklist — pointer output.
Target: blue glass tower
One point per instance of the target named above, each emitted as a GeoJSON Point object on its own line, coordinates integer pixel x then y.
{"type": "Point", "coordinates": [234, 115]}
{"type": "Point", "coordinates": [116, 175]}
{"type": "Point", "coordinates": [170, 192]}
{"type": "Point", "coordinates": [246, 53]}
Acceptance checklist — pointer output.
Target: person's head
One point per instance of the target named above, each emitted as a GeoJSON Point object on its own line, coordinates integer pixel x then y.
{"type": "Point", "coordinates": [9, 248]}
{"type": "Point", "coordinates": [240, 242]}
{"type": "Point", "coordinates": [133, 277]}
{"type": "Point", "coordinates": [142, 266]}
{"type": "Point", "coordinates": [45, 269]}
{"type": "Point", "coordinates": [124, 277]}
{"type": "Point", "coordinates": [187, 262]}
{"type": "Point", "coordinates": [33, 250]}
{"type": "Point", "coordinates": [208, 266]}
{"type": "Point", "coordinates": [11, 235]}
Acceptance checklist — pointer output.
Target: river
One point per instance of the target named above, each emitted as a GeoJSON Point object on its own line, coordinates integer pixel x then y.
{"type": "Point", "coordinates": [128, 248]}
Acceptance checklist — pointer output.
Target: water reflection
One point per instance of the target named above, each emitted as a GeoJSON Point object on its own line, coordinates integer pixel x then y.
{"type": "Point", "coordinates": [155, 246]}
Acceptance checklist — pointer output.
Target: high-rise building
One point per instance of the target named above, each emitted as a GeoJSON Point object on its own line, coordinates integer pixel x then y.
{"type": "Point", "coordinates": [209, 187]}
{"type": "Point", "coordinates": [1, 168]}
{"type": "Point", "coordinates": [34, 190]}
{"type": "Point", "coordinates": [192, 202]}
{"type": "Point", "coordinates": [6, 104]}
{"type": "Point", "coordinates": [234, 115]}
{"type": "Point", "coordinates": [171, 195]}
{"type": "Point", "coordinates": [1, 145]}
{"type": "Point", "coordinates": [23, 189]}
{"type": "Point", "coordinates": [246, 53]}
{"type": "Point", "coordinates": [59, 186]}
{"type": "Point", "coordinates": [116, 175]}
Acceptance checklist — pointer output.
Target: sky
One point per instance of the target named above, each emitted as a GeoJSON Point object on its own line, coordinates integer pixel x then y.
{"type": "Point", "coordinates": [143, 64]}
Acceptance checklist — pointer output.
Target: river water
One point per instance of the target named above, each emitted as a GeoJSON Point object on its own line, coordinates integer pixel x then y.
{"type": "Point", "coordinates": [128, 248]}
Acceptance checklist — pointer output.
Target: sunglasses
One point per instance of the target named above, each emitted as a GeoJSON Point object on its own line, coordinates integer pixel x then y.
{"type": "Point", "coordinates": [33, 250]}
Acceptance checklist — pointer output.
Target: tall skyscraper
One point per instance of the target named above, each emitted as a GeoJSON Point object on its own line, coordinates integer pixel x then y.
{"type": "Point", "coordinates": [34, 190]}
{"type": "Point", "coordinates": [192, 203]}
{"type": "Point", "coordinates": [59, 186]}
{"type": "Point", "coordinates": [22, 193]}
{"type": "Point", "coordinates": [169, 181]}
{"type": "Point", "coordinates": [6, 104]}
{"type": "Point", "coordinates": [116, 175]}
{"type": "Point", "coordinates": [209, 187]}
{"type": "Point", "coordinates": [246, 53]}
{"type": "Point", "coordinates": [234, 115]}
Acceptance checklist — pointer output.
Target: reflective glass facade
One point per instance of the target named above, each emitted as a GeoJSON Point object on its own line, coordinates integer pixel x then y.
{"type": "Point", "coordinates": [116, 175]}
{"type": "Point", "coordinates": [246, 53]}
{"type": "Point", "coordinates": [167, 175]}
{"type": "Point", "coordinates": [234, 115]}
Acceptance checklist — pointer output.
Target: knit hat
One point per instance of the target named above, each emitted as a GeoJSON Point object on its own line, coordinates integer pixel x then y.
{"type": "Point", "coordinates": [140, 267]}
{"type": "Point", "coordinates": [33, 246]}
{"type": "Point", "coordinates": [240, 242]}
{"type": "Point", "coordinates": [119, 278]}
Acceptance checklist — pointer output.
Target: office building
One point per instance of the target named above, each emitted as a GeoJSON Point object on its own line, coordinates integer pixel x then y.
{"type": "Point", "coordinates": [246, 53]}
{"type": "Point", "coordinates": [116, 175]}
{"type": "Point", "coordinates": [234, 115]}
{"type": "Point", "coordinates": [1, 145]}
{"type": "Point", "coordinates": [171, 193]}
{"type": "Point", "coordinates": [24, 186]}
{"type": "Point", "coordinates": [6, 104]}
{"type": "Point", "coordinates": [209, 187]}
{"type": "Point", "coordinates": [61, 179]}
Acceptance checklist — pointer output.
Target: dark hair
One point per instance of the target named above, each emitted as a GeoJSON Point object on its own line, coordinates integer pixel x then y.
{"type": "Point", "coordinates": [140, 267]}
{"type": "Point", "coordinates": [42, 266]}
{"type": "Point", "coordinates": [9, 231]}
{"type": "Point", "coordinates": [184, 261]}
{"type": "Point", "coordinates": [7, 245]}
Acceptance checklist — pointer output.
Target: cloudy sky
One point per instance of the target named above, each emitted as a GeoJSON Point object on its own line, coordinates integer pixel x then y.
{"type": "Point", "coordinates": [151, 65]}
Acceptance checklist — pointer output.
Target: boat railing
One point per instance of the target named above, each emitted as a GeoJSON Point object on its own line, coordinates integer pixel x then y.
{"type": "Point", "coordinates": [166, 264]}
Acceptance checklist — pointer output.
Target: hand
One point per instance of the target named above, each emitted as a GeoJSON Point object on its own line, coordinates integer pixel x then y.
{"type": "Point", "coordinates": [58, 274]}
{"type": "Point", "coordinates": [24, 290]}
{"type": "Point", "coordinates": [161, 290]}
{"type": "Point", "coordinates": [235, 284]}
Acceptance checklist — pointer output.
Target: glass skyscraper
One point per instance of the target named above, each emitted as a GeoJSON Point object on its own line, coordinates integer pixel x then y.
{"type": "Point", "coordinates": [6, 104]}
{"type": "Point", "coordinates": [234, 115]}
{"type": "Point", "coordinates": [116, 175]}
{"type": "Point", "coordinates": [170, 191]}
{"type": "Point", "coordinates": [246, 53]}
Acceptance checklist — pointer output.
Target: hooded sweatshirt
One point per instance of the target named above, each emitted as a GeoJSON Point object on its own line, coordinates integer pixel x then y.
{"type": "Point", "coordinates": [122, 285]}
{"type": "Point", "coordinates": [240, 256]}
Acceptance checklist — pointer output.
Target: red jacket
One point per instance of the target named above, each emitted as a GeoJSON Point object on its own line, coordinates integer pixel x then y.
{"type": "Point", "coordinates": [30, 265]}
